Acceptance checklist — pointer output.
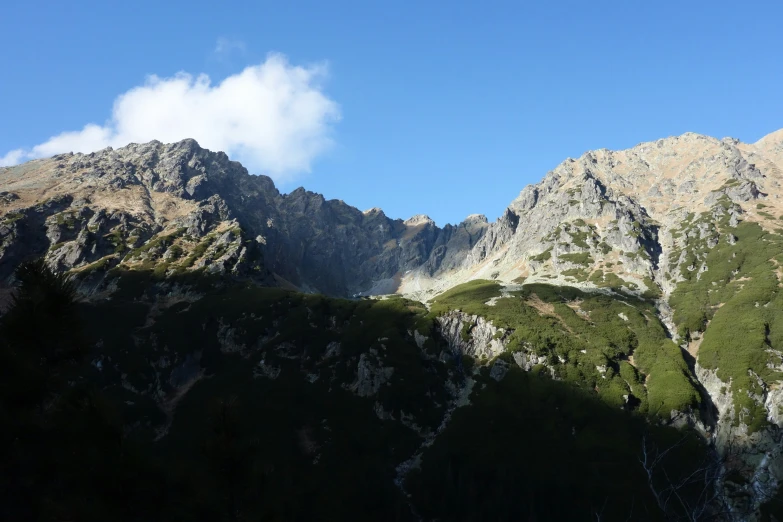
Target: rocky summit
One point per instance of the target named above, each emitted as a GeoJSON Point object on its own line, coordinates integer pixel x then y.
{"type": "Point", "coordinates": [197, 210]}
{"type": "Point", "coordinates": [614, 339]}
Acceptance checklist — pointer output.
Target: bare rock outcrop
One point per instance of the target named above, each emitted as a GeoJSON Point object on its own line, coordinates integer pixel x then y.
{"type": "Point", "coordinates": [471, 335]}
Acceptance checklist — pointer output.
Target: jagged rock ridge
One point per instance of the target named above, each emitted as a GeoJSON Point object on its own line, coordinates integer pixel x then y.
{"type": "Point", "coordinates": [154, 202]}
{"type": "Point", "coordinates": [615, 210]}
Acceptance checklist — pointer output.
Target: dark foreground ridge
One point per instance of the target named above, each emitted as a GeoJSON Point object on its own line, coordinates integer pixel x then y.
{"type": "Point", "coordinates": [248, 403]}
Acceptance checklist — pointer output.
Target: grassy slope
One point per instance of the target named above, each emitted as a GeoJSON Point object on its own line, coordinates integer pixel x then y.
{"type": "Point", "coordinates": [349, 472]}
{"type": "Point", "coordinates": [577, 343]}
{"type": "Point", "coordinates": [736, 303]}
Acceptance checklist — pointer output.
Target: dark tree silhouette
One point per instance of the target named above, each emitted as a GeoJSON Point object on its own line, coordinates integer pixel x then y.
{"type": "Point", "coordinates": [41, 334]}
{"type": "Point", "coordinates": [62, 447]}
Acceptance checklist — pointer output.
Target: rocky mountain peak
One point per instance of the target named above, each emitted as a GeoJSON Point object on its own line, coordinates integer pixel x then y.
{"type": "Point", "coordinates": [374, 211]}
{"type": "Point", "coordinates": [474, 219]}
{"type": "Point", "coordinates": [105, 208]}
{"type": "Point", "coordinates": [773, 138]}
{"type": "Point", "coordinates": [625, 200]}
{"type": "Point", "coordinates": [419, 219]}
{"type": "Point", "coordinates": [148, 189]}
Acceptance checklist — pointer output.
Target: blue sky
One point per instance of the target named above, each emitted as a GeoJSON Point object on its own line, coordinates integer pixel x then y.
{"type": "Point", "coordinates": [442, 108]}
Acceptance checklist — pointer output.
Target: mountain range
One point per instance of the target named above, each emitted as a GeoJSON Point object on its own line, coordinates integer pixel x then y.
{"type": "Point", "coordinates": [641, 286]}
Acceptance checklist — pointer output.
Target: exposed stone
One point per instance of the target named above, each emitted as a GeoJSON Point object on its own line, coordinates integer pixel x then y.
{"type": "Point", "coordinates": [482, 342]}
{"type": "Point", "coordinates": [419, 339]}
{"type": "Point", "coordinates": [758, 455]}
{"type": "Point", "coordinates": [370, 375]}
{"type": "Point", "coordinates": [498, 370]}
{"type": "Point", "coordinates": [264, 369]}
{"type": "Point", "coordinates": [332, 350]}
{"type": "Point", "coordinates": [527, 361]}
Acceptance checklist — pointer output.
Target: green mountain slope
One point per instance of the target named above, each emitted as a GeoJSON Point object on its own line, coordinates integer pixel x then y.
{"type": "Point", "coordinates": [239, 402]}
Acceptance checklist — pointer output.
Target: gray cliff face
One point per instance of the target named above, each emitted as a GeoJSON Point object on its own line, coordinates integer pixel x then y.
{"type": "Point", "coordinates": [759, 454]}
{"type": "Point", "coordinates": [81, 209]}
{"type": "Point", "coordinates": [612, 211]}
{"type": "Point", "coordinates": [472, 335]}
{"type": "Point", "coordinates": [616, 207]}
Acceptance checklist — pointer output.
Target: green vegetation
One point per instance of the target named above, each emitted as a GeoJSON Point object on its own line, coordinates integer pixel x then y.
{"type": "Point", "coordinates": [66, 218]}
{"type": "Point", "coordinates": [199, 251]}
{"type": "Point", "coordinates": [577, 274]}
{"type": "Point", "coordinates": [11, 218]}
{"type": "Point", "coordinates": [116, 237]}
{"type": "Point", "coordinates": [175, 251]}
{"type": "Point", "coordinates": [465, 331]}
{"type": "Point", "coordinates": [219, 251]}
{"type": "Point", "coordinates": [160, 270]}
{"type": "Point", "coordinates": [543, 256]}
{"type": "Point", "coordinates": [238, 405]}
{"type": "Point", "coordinates": [578, 258]}
{"type": "Point", "coordinates": [739, 296]}
{"type": "Point", "coordinates": [469, 294]}
{"type": "Point", "coordinates": [157, 244]}
{"type": "Point", "coordinates": [609, 280]}
{"type": "Point", "coordinates": [652, 292]}
{"type": "Point", "coordinates": [98, 265]}
{"type": "Point", "coordinates": [577, 342]}
{"type": "Point", "coordinates": [579, 233]}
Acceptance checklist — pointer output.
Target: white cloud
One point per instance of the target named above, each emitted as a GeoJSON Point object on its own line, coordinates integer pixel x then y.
{"type": "Point", "coordinates": [273, 117]}
{"type": "Point", "coordinates": [12, 158]}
